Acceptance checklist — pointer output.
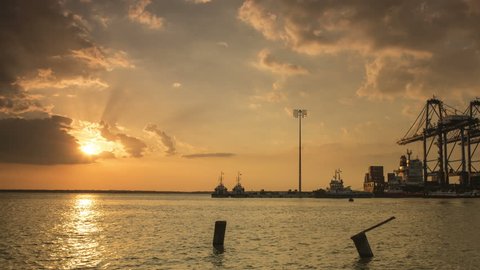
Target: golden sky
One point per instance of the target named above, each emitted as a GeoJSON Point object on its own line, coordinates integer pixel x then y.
{"type": "Point", "coordinates": [164, 95]}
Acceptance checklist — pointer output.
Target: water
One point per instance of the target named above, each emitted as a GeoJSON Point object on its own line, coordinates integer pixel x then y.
{"type": "Point", "coordinates": [158, 231]}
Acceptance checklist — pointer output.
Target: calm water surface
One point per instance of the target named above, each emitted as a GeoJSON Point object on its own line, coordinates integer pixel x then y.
{"type": "Point", "coordinates": [157, 231]}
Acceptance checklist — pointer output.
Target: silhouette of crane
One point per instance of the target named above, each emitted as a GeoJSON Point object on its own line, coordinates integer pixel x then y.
{"type": "Point", "coordinates": [456, 136]}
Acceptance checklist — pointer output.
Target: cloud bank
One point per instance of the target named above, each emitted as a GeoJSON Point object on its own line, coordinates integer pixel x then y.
{"type": "Point", "coordinates": [410, 48]}
{"type": "Point", "coordinates": [39, 141]}
{"type": "Point", "coordinates": [44, 45]}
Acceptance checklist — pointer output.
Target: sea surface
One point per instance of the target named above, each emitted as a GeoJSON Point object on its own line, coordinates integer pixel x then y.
{"type": "Point", "coordinates": [165, 231]}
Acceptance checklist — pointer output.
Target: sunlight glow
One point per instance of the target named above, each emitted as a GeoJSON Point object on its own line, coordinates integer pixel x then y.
{"type": "Point", "coordinates": [90, 149]}
{"type": "Point", "coordinates": [91, 141]}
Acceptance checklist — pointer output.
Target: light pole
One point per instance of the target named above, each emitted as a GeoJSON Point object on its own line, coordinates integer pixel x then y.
{"type": "Point", "coordinates": [300, 113]}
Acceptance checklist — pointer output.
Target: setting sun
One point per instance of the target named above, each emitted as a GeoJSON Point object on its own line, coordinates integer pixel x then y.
{"type": "Point", "coordinates": [92, 142]}
{"type": "Point", "coordinates": [90, 149]}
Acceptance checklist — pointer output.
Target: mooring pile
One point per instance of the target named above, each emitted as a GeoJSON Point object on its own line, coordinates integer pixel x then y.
{"type": "Point", "coordinates": [360, 239]}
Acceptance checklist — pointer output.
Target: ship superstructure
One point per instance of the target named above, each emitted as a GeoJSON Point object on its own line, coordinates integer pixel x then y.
{"type": "Point", "coordinates": [337, 189]}
{"type": "Point", "coordinates": [238, 190]}
{"type": "Point", "coordinates": [408, 177]}
{"type": "Point", "coordinates": [410, 171]}
{"type": "Point", "coordinates": [336, 184]}
{"type": "Point", "coordinates": [220, 190]}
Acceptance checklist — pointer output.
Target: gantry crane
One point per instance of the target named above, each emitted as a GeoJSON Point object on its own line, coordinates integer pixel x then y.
{"type": "Point", "coordinates": [456, 136]}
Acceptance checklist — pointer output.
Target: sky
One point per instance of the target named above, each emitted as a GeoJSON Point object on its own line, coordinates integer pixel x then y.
{"type": "Point", "coordinates": [164, 95]}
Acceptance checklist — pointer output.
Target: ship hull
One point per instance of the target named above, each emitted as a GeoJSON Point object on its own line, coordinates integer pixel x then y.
{"type": "Point", "coordinates": [343, 195]}
{"type": "Point", "coordinates": [238, 195]}
{"type": "Point", "coordinates": [447, 195]}
{"type": "Point", "coordinates": [219, 195]}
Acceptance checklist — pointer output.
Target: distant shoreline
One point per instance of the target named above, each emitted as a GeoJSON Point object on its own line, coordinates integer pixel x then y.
{"type": "Point", "coordinates": [251, 194]}
{"type": "Point", "coordinates": [101, 191]}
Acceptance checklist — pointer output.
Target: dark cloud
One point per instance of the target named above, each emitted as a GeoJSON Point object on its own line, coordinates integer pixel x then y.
{"type": "Point", "coordinates": [410, 47]}
{"type": "Point", "coordinates": [210, 155]}
{"type": "Point", "coordinates": [39, 141]}
{"type": "Point", "coordinates": [45, 45]}
{"type": "Point", "coordinates": [133, 146]}
{"type": "Point", "coordinates": [14, 101]}
{"type": "Point", "coordinates": [32, 34]}
{"type": "Point", "coordinates": [167, 140]}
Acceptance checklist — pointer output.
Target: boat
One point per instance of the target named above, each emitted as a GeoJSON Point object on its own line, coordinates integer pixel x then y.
{"type": "Point", "coordinates": [336, 189]}
{"type": "Point", "coordinates": [220, 191]}
{"type": "Point", "coordinates": [238, 191]}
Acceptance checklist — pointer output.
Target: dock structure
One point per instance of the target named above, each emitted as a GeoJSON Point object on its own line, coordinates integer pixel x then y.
{"type": "Point", "coordinates": [456, 136]}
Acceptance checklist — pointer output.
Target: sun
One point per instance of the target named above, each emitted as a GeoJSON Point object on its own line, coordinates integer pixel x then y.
{"type": "Point", "coordinates": [91, 142]}
{"type": "Point", "coordinates": [90, 149]}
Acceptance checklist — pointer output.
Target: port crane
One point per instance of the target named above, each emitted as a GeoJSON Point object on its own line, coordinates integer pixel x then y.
{"type": "Point", "coordinates": [455, 135]}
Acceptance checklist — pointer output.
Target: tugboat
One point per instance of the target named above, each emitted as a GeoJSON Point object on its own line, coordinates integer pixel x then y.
{"type": "Point", "coordinates": [238, 191]}
{"type": "Point", "coordinates": [220, 191]}
{"type": "Point", "coordinates": [337, 189]}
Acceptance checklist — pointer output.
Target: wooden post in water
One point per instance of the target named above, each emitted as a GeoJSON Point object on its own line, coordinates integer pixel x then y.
{"type": "Point", "coordinates": [219, 234]}
{"type": "Point", "coordinates": [361, 242]}
{"type": "Point", "coordinates": [362, 245]}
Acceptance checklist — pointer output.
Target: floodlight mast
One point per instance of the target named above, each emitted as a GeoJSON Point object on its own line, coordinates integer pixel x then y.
{"type": "Point", "coordinates": [300, 113]}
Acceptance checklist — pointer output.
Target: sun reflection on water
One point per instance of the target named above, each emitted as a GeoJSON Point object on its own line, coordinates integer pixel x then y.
{"type": "Point", "coordinates": [84, 215]}
{"type": "Point", "coordinates": [79, 246]}
{"type": "Point", "coordinates": [84, 202]}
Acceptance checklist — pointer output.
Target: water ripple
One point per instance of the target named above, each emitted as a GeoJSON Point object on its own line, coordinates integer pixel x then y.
{"type": "Point", "coordinates": [152, 231]}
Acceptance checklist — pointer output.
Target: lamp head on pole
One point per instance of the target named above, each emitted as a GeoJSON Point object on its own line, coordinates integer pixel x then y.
{"type": "Point", "coordinates": [300, 113]}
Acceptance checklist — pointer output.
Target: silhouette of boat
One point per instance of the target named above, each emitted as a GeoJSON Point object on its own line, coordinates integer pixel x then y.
{"type": "Point", "coordinates": [336, 189]}
{"type": "Point", "coordinates": [238, 191]}
{"type": "Point", "coordinates": [220, 191]}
